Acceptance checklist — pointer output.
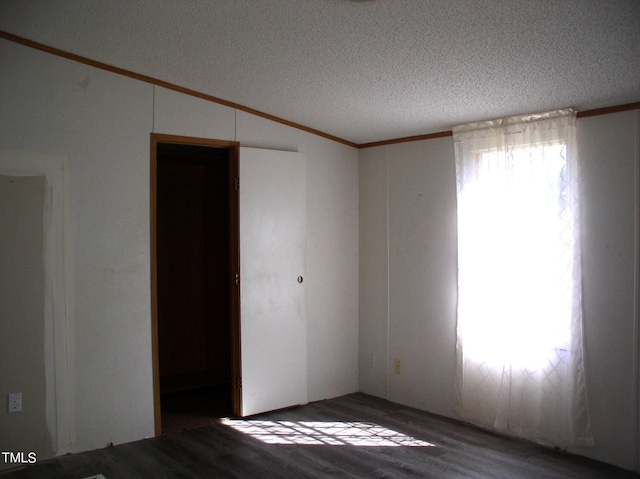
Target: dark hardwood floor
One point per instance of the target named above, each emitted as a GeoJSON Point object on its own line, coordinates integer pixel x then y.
{"type": "Point", "coordinates": [351, 436]}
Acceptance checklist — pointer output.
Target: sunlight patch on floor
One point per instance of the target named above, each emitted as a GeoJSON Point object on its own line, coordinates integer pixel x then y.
{"type": "Point", "coordinates": [324, 433]}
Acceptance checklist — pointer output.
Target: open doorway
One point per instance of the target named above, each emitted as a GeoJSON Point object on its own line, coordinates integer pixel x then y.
{"type": "Point", "coordinates": [195, 298]}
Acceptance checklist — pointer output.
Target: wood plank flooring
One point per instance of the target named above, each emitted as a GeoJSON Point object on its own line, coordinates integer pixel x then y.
{"type": "Point", "coordinates": [352, 436]}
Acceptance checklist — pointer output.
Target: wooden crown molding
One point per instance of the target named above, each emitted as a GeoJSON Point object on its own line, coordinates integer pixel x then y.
{"type": "Point", "coordinates": [170, 86]}
{"type": "Point", "coordinates": [609, 109]}
{"type": "Point", "coordinates": [187, 91]}
{"type": "Point", "coordinates": [441, 134]}
{"type": "Point", "coordinates": [429, 136]}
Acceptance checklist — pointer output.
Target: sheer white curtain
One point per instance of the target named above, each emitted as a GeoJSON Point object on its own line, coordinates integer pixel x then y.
{"type": "Point", "coordinates": [520, 367]}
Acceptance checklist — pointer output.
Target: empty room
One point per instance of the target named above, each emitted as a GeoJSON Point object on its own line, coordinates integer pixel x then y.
{"type": "Point", "coordinates": [320, 238]}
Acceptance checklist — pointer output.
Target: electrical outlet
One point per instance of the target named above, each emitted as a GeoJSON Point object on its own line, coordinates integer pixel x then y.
{"type": "Point", "coordinates": [397, 366]}
{"type": "Point", "coordinates": [15, 402]}
{"type": "Point", "coordinates": [372, 360]}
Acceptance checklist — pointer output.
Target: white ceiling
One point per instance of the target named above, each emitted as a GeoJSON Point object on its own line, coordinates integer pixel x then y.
{"type": "Point", "coordinates": [360, 71]}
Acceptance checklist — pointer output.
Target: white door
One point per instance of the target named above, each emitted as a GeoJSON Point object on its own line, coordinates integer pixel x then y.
{"type": "Point", "coordinates": [272, 259]}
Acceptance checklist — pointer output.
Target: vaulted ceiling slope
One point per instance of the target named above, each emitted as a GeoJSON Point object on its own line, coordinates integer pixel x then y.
{"type": "Point", "coordinates": [366, 71]}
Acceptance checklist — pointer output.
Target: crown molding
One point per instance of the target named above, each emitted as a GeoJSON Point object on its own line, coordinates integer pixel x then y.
{"type": "Point", "coordinates": [187, 91]}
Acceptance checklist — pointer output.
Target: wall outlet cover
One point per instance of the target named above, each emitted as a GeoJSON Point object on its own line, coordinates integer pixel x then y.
{"type": "Point", "coordinates": [15, 402]}
{"type": "Point", "coordinates": [397, 366]}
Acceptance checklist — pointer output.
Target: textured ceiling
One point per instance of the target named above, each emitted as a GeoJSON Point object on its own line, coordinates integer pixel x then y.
{"type": "Point", "coordinates": [365, 71]}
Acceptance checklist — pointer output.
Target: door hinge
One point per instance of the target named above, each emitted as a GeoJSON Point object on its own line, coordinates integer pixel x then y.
{"type": "Point", "coordinates": [239, 382]}
{"type": "Point", "coordinates": [237, 278]}
{"type": "Point", "coordinates": [236, 184]}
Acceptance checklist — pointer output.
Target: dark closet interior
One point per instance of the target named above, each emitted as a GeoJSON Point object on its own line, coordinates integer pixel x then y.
{"type": "Point", "coordinates": [193, 284]}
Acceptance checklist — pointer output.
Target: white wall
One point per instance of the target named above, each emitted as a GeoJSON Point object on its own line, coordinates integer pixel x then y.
{"type": "Point", "coordinates": [99, 123]}
{"type": "Point", "coordinates": [373, 338]}
{"type": "Point", "coordinates": [610, 157]}
{"type": "Point", "coordinates": [408, 276]}
{"type": "Point", "coordinates": [408, 273]}
{"type": "Point", "coordinates": [22, 302]}
{"type": "Point", "coordinates": [27, 335]}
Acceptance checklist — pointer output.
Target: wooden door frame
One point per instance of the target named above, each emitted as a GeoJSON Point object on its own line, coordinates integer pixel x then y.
{"type": "Point", "coordinates": [234, 258]}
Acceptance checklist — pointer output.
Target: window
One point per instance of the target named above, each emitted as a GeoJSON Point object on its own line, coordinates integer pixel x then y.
{"type": "Point", "coordinates": [519, 345]}
{"type": "Point", "coordinates": [517, 220]}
